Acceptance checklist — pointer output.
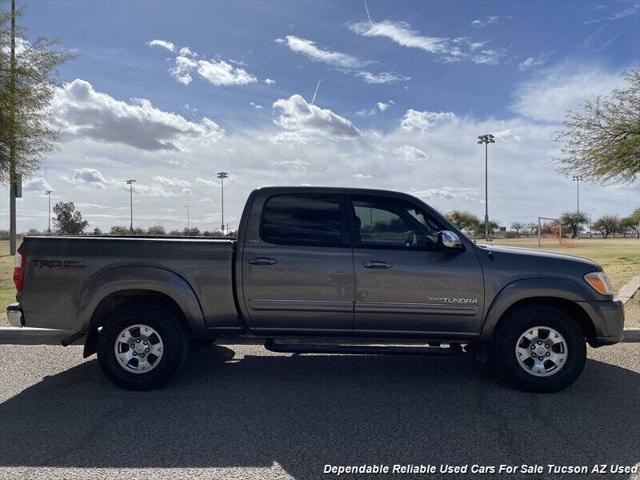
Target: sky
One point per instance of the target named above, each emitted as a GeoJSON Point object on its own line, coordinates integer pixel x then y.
{"type": "Point", "coordinates": [385, 95]}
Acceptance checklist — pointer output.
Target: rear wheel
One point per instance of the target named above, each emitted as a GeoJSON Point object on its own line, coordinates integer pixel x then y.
{"type": "Point", "coordinates": [539, 349]}
{"type": "Point", "coordinates": [141, 346]}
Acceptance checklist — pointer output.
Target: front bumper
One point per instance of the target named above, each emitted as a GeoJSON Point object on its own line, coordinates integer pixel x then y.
{"type": "Point", "coordinates": [608, 321]}
{"type": "Point", "coordinates": [14, 315]}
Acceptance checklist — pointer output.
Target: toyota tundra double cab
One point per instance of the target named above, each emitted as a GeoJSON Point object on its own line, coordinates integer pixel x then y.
{"type": "Point", "coordinates": [330, 270]}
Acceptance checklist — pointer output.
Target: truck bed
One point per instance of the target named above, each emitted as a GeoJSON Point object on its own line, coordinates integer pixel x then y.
{"type": "Point", "coordinates": [65, 274]}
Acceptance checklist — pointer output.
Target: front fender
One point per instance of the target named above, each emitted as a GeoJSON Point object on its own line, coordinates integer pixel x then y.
{"type": "Point", "coordinates": [570, 289]}
{"type": "Point", "coordinates": [142, 278]}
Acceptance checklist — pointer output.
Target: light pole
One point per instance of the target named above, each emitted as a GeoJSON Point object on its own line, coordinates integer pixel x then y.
{"type": "Point", "coordinates": [577, 178]}
{"type": "Point", "coordinates": [188, 220]}
{"type": "Point", "coordinates": [130, 182]}
{"type": "Point", "coordinates": [486, 139]}
{"type": "Point", "coordinates": [48, 193]}
{"type": "Point", "coordinates": [222, 176]}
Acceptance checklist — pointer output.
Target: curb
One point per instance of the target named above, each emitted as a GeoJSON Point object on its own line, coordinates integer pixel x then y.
{"type": "Point", "coordinates": [631, 335]}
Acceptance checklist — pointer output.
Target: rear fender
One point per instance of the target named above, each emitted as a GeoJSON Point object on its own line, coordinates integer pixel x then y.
{"type": "Point", "coordinates": [152, 279]}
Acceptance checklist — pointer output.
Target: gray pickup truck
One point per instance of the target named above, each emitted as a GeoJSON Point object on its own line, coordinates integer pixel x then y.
{"type": "Point", "coordinates": [322, 270]}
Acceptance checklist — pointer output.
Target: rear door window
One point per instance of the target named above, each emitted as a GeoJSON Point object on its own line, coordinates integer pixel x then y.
{"type": "Point", "coordinates": [302, 219]}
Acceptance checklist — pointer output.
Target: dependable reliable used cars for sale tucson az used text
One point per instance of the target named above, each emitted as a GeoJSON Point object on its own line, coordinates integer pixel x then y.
{"type": "Point", "coordinates": [322, 270]}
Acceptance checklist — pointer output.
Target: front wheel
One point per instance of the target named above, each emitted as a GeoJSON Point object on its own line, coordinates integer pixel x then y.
{"type": "Point", "coordinates": [539, 349]}
{"type": "Point", "coordinates": [141, 346]}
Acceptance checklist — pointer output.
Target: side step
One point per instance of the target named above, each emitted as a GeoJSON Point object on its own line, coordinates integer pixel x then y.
{"type": "Point", "coordinates": [435, 348]}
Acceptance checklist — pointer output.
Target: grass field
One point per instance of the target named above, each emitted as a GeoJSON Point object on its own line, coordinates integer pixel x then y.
{"type": "Point", "coordinates": [619, 257]}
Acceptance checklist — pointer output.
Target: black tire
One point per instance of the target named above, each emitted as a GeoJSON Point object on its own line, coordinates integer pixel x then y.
{"type": "Point", "coordinates": [175, 344]}
{"type": "Point", "coordinates": [201, 343]}
{"type": "Point", "coordinates": [517, 323]}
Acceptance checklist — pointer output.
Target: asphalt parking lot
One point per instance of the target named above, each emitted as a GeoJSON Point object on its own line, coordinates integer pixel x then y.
{"type": "Point", "coordinates": [242, 412]}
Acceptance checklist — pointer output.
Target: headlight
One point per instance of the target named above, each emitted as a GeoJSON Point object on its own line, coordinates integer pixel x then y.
{"type": "Point", "coordinates": [599, 282]}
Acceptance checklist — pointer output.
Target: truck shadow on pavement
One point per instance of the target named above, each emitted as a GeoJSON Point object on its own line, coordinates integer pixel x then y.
{"type": "Point", "coordinates": [303, 412]}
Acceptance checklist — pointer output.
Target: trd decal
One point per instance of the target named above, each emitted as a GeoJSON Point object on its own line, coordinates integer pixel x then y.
{"type": "Point", "coordinates": [59, 264]}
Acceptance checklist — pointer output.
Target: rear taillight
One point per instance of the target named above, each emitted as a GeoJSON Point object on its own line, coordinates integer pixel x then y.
{"type": "Point", "coordinates": [18, 272]}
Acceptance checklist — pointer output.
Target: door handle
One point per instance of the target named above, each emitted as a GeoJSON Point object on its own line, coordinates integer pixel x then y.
{"type": "Point", "coordinates": [263, 261]}
{"type": "Point", "coordinates": [377, 264]}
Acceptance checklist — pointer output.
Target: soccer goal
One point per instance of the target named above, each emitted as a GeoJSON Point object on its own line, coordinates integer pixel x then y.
{"type": "Point", "coordinates": [549, 231]}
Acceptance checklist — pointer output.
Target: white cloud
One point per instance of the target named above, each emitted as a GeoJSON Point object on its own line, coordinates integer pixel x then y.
{"type": "Point", "coordinates": [315, 53]}
{"type": "Point", "coordinates": [402, 34]}
{"type": "Point", "coordinates": [449, 193]}
{"type": "Point", "coordinates": [382, 106]}
{"type": "Point", "coordinates": [187, 52]}
{"type": "Point", "coordinates": [347, 63]}
{"type": "Point", "coordinates": [37, 184]}
{"type": "Point", "coordinates": [151, 190]}
{"type": "Point", "coordinates": [255, 105]}
{"type": "Point", "coordinates": [208, 182]}
{"type": "Point", "coordinates": [554, 91]}
{"type": "Point", "coordinates": [449, 49]}
{"type": "Point", "coordinates": [380, 78]}
{"type": "Point", "coordinates": [220, 73]}
{"type": "Point", "coordinates": [295, 114]}
{"type": "Point", "coordinates": [81, 112]}
{"type": "Point", "coordinates": [487, 57]}
{"type": "Point", "coordinates": [167, 45]}
{"type": "Point", "coordinates": [206, 200]}
{"type": "Point", "coordinates": [216, 71]}
{"type": "Point", "coordinates": [182, 68]}
{"type": "Point", "coordinates": [479, 23]}
{"type": "Point", "coordinates": [409, 155]}
{"type": "Point", "coordinates": [417, 121]}
{"type": "Point", "coordinates": [91, 176]}
{"type": "Point", "coordinates": [269, 81]}
{"type": "Point", "coordinates": [632, 8]}
{"type": "Point", "coordinates": [171, 181]}
{"type": "Point", "coordinates": [531, 62]}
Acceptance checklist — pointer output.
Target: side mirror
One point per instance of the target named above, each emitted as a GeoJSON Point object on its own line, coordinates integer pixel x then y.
{"type": "Point", "coordinates": [447, 240]}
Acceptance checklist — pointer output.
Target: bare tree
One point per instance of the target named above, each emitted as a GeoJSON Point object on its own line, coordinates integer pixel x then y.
{"type": "Point", "coordinates": [602, 141]}
{"type": "Point", "coordinates": [517, 226]}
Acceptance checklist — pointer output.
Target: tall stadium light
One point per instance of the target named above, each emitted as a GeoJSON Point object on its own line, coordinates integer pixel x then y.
{"type": "Point", "coordinates": [222, 176]}
{"type": "Point", "coordinates": [188, 207]}
{"type": "Point", "coordinates": [486, 139]}
{"type": "Point", "coordinates": [130, 182]}
{"type": "Point", "coordinates": [577, 178]}
{"type": "Point", "coordinates": [48, 194]}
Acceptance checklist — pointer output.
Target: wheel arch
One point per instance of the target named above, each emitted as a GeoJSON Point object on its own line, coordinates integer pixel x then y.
{"type": "Point", "coordinates": [563, 294]}
{"type": "Point", "coordinates": [113, 301]}
{"type": "Point", "coordinates": [572, 309]}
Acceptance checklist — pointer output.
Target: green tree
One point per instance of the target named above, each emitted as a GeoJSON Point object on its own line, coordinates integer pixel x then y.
{"type": "Point", "coordinates": [191, 232]}
{"type": "Point", "coordinates": [97, 231]}
{"type": "Point", "coordinates": [606, 225]}
{"type": "Point", "coordinates": [68, 220]}
{"type": "Point", "coordinates": [120, 231]}
{"type": "Point", "coordinates": [631, 223]}
{"type": "Point", "coordinates": [602, 141]}
{"type": "Point", "coordinates": [573, 221]}
{"type": "Point", "coordinates": [479, 229]}
{"type": "Point", "coordinates": [28, 80]}
{"type": "Point", "coordinates": [156, 230]}
{"type": "Point", "coordinates": [463, 220]}
{"type": "Point", "coordinates": [636, 221]}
